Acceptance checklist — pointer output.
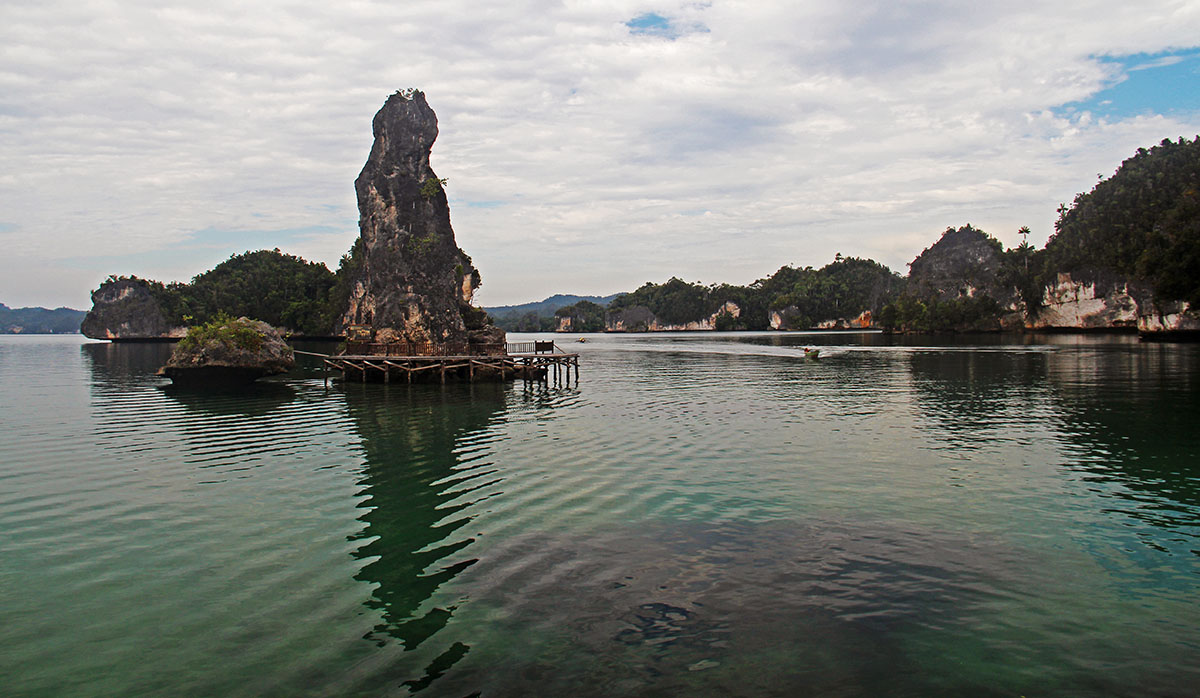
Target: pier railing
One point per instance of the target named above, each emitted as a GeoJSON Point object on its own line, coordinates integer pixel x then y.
{"type": "Point", "coordinates": [424, 348]}
{"type": "Point", "coordinates": [546, 347]}
{"type": "Point", "coordinates": [368, 348]}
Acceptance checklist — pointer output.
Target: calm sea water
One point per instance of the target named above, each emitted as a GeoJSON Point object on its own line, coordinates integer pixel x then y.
{"type": "Point", "coordinates": [698, 515]}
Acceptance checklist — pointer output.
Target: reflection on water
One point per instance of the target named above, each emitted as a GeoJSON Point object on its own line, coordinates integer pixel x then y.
{"type": "Point", "coordinates": [973, 395]}
{"type": "Point", "coordinates": [701, 514]}
{"type": "Point", "coordinates": [1131, 415]}
{"type": "Point", "coordinates": [115, 362]}
{"type": "Point", "coordinates": [254, 400]}
{"type": "Point", "coordinates": [418, 483]}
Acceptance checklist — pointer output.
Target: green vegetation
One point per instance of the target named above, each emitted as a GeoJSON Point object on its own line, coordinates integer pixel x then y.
{"type": "Point", "coordinates": [432, 186]}
{"type": "Point", "coordinates": [954, 285]}
{"type": "Point", "coordinates": [912, 314]}
{"type": "Point", "coordinates": [343, 284]}
{"type": "Point", "coordinates": [277, 288]}
{"type": "Point", "coordinates": [675, 302]}
{"type": "Point", "coordinates": [541, 315]}
{"type": "Point", "coordinates": [231, 332]}
{"type": "Point", "coordinates": [526, 322]}
{"type": "Point", "coordinates": [585, 315]}
{"type": "Point", "coordinates": [1019, 270]}
{"type": "Point", "coordinates": [803, 297]}
{"type": "Point", "coordinates": [280, 289]}
{"type": "Point", "coordinates": [844, 288]}
{"type": "Point", "coordinates": [1143, 223]}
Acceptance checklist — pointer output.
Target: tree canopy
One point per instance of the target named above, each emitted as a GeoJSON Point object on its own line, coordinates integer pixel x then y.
{"type": "Point", "coordinates": [277, 288]}
{"type": "Point", "coordinates": [1143, 222]}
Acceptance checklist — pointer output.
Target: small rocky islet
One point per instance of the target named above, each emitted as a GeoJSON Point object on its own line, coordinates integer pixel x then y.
{"type": "Point", "coordinates": [228, 352]}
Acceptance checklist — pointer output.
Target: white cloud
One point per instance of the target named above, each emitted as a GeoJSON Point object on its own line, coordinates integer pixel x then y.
{"type": "Point", "coordinates": [131, 128]}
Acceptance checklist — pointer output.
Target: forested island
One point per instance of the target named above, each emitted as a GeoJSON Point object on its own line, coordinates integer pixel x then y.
{"type": "Point", "coordinates": [39, 320]}
{"type": "Point", "coordinates": [278, 288]}
{"type": "Point", "coordinates": [1125, 255]}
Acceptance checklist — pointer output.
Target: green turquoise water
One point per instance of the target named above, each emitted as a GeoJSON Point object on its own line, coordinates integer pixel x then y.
{"type": "Point", "coordinates": [705, 514]}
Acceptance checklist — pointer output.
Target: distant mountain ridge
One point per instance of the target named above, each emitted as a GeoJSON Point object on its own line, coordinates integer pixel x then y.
{"type": "Point", "coordinates": [539, 316]}
{"type": "Point", "coordinates": [39, 320]}
{"type": "Point", "coordinates": [547, 307]}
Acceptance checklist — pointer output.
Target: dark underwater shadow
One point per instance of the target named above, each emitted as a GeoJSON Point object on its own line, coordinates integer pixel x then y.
{"type": "Point", "coordinates": [786, 608]}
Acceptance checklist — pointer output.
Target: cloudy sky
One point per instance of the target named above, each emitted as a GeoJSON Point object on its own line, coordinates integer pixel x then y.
{"type": "Point", "coordinates": [589, 147]}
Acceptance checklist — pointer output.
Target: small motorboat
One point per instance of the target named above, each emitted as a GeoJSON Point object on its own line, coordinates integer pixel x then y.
{"type": "Point", "coordinates": [582, 340]}
{"type": "Point", "coordinates": [811, 352]}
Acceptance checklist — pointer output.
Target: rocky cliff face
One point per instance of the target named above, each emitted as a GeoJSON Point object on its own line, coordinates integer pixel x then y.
{"type": "Point", "coordinates": [788, 318]}
{"type": "Point", "coordinates": [960, 275]}
{"type": "Point", "coordinates": [963, 263]}
{"type": "Point", "coordinates": [125, 309]}
{"type": "Point", "coordinates": [413, 279]}
{"type": "Point", "coordinates": [1101, 302]}
{"type": "Point", "coordinates": [639, 318]}
{"type": "Point", "coordinates": [1106, 301]}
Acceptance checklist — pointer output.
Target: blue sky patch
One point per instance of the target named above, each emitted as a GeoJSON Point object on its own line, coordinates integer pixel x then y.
{"type": "Point", "coordinates": [1160, 83]}
{"type": "Point", "coordinates": [654, 24]}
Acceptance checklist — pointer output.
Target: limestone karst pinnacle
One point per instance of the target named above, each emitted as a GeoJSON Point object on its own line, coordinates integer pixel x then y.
{"type": "Point", "coordinates": [412, 280]}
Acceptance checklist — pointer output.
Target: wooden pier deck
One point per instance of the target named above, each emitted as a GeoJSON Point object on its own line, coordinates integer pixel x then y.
{"type": "Point", "coordinates": [380, 363]}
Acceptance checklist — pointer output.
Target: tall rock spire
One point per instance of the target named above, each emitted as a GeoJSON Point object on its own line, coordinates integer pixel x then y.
{"type": "Point", "coordinates": [412, 278]}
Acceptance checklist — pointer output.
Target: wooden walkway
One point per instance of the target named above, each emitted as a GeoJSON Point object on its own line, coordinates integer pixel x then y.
{"type": "Point", "coordinates": [524, 360]}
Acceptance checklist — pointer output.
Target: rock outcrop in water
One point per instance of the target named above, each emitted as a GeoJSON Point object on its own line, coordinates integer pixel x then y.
{"type": "Point", "coordinates": [232, 352]}
{"type": "Point", "coordinates": [412, 280]}
{"type": "Point", "coordinates": [125, 309]}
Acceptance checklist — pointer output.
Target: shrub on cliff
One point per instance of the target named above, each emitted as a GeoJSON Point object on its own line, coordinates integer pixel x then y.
{"type": "Point", "coordinates": [225, 331]}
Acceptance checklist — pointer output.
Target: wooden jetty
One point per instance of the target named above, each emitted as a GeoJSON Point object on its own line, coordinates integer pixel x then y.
{"type": "Point", "coordinates": [406, 361]}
